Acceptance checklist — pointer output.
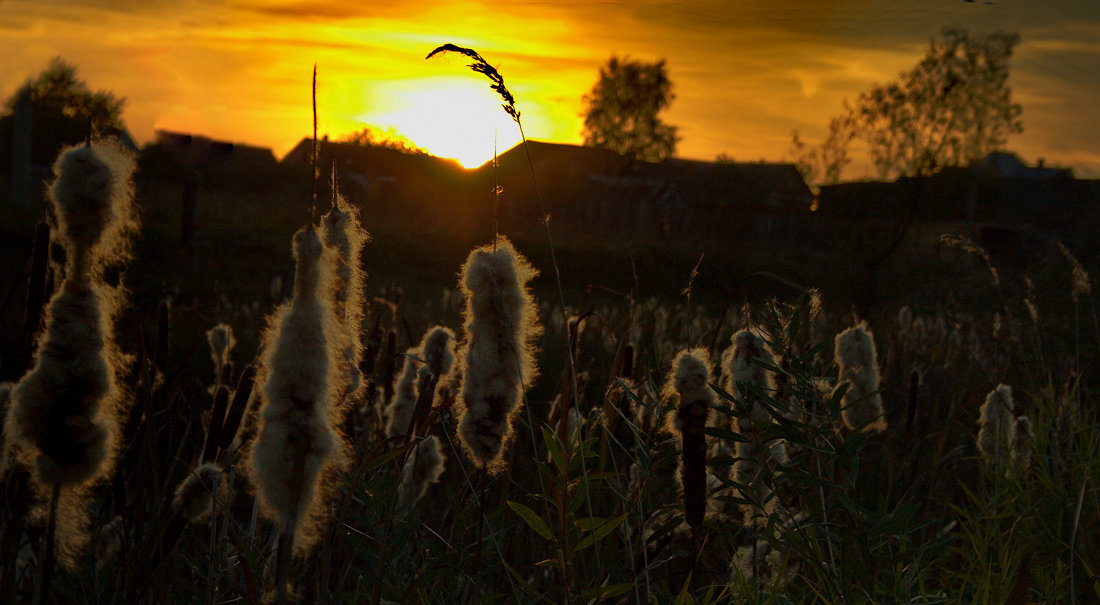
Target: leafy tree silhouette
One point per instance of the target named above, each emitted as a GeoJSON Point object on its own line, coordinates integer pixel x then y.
{"type": "Point", "coordinates": [64, 112]}
{"type": "Point", "coordinates": [622, 110]}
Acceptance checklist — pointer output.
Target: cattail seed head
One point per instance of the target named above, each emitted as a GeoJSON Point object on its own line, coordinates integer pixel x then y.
{"type": "Point", "coordinates": [421, 471]}
{"type": "Point", "coordinates": [997, 434]}
{"type": "Point", "coordinates": [108, 541]}
{"type": "Point", "coordinates": [299, 378]}
{"type": "Point", "coordinates": [64, 412]}
{"type": "Point", "coordinates": [687, 381]}
{"type": "Point", "coordinates": [858, 363]}
{"type": "Point", "coordinates": [438, 350]}
{"type": "Point", "coordinates": [399, 411]}
{"type": "Point", "coordinates": [496, 360]}
{"type": "Point", "coordinates": [740, 364]}
{"type": "Point", "coordinates": [195, 495]}
{"type": "Point", "coordinates": [92, 197]}
{"type": "Point", "coordinates": [344, 235]}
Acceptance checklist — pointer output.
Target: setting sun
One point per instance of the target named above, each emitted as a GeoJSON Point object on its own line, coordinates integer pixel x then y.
{"type": "Point", "coordinates": [452, 116]}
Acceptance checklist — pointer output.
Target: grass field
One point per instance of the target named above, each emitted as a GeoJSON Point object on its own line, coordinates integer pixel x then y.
{"type": "Point", "coordinates": [588, 500]}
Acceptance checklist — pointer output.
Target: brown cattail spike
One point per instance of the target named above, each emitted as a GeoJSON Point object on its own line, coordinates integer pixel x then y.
{"type": "Point", "coordinates": [236, 410]}
{"type": "Point", "coordinates": [687, 383]}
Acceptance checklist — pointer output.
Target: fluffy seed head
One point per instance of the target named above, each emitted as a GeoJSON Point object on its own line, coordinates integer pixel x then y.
{"type": "Point", "coordinates": [738, 366]}
{"type": "Point", "coordinates": [64, 412]}
{"type": "Point", "coordinates": [344, 235]}
{"type": "Point", "coordinates": [299, 378]}
{"type": "Point", "coordinates": [421, 471]}
{"type": "Point", "coordinates": [687, 381]}
{"type": "Point", "coordinates": [997, 434]}
{"type": "Point", "coordinates": [858, 363]}
{"type": "Point", "coordinates": [496, 360]}
{"type": "Point", "coordinates": [92, 196]}
{"type": "Point", "coordinates": [400, 409]}
{"type": "Point", "coordinates": [195, 494]}
{"type": "Point", "coordinates": [438, 350]}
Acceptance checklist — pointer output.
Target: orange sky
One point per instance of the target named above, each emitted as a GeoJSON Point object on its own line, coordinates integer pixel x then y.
{"type": "Point", "coordinates": [745, 73]}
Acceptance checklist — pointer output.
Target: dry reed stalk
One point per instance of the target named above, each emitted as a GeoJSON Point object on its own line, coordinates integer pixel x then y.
{"type": "Point", "coordinates": [160, 352]}
{"type": "Point", "coordinates": [235, 413]}
{"type": "Point", "coordinates": [221, 341]}
{"type": "Point", "coordinates": [213, 427]}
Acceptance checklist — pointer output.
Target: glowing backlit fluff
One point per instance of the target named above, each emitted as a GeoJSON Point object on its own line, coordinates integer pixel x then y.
{"type": "Point", "coordinates": [997, 435]}
{"type": "Point", "coordinates": [300, 378]}
{"type": "Point", "coordinates": [399, 411]}
{"type": "Point", "coordinates": [421, 471]}
{"type": "Point", "coordinates": [496, 360]}
{"type": "Point", "coordinates": [858, 363]}
{"type": "Point", "coordinates": [738, 367]}
{"type": "Point", "coordinates": [63, 418]}
{"type": "Point", "coordinates": [343, 234]}
{"type": "Point", "coordinates": [438, 350]}
{"type": "Point", "coordinates": [687, 383]}
{"type": "Point", "coordinates": [195, 495]}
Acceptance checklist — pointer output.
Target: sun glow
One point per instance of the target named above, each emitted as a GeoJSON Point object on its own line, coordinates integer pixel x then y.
{"type": "Point", "coordinates": [451, 117]}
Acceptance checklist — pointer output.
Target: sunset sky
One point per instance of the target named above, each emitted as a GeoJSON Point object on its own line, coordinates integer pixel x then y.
{"type": "Point", "coordinates": [745, 73]}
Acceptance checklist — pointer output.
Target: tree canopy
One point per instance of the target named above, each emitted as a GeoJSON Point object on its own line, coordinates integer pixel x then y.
{"type": "Point", "coordinates": [64, 111]}
{"type": "Point", "coordinates": [621, 111]}
{"type": "Point", "coordinates": [953, 107]}
{"type": "Point", "coordinates": [371, 136]}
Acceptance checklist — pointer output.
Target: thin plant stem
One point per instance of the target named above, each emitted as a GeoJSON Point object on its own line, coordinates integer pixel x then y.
{"type": "Point", "coordinates": [313, 155]}
{"type": "Point", "coordinates": [46, 569]}
{"type": "Point", "coordinates": [284, 553]}
{"type": "Point", "coordinates": [213, 541]}
{"type": "Point", "coordinates": [481, 521]}
{"type": "Point", "coordinates": [564, 312]}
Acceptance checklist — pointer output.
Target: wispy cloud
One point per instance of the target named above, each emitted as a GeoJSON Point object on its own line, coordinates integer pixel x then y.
{"type": "Point", "coordinates": [745, 73]}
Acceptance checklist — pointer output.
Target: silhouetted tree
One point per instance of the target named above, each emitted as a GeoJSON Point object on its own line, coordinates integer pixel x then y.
{"type": "Point", "coordinates": [951, 108]}
{"type": "Point", "coordinates": [370, 136]}
{"type": "Point", "coordinates": [64, 111]}
{"type": "Point", "coordinates": [621, 111]}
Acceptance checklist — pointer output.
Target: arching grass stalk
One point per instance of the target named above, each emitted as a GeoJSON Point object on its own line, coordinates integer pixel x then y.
{"type": "Point", "coordinates": [480, 65]}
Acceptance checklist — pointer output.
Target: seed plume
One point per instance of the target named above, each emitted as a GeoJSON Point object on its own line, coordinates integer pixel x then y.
{"type": "Point", "coordinates": [346, 237]}
{"type": "Point", "coordinates": [300, 380]}
{"type": "Point", "coordinates": [687, 382]}
{"type": "Point", "coordinates": [421, 471]}
{"type": "Point", "coordinates": [858, 363]}
{"type": "Point", "coordinates": [496, 360]}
